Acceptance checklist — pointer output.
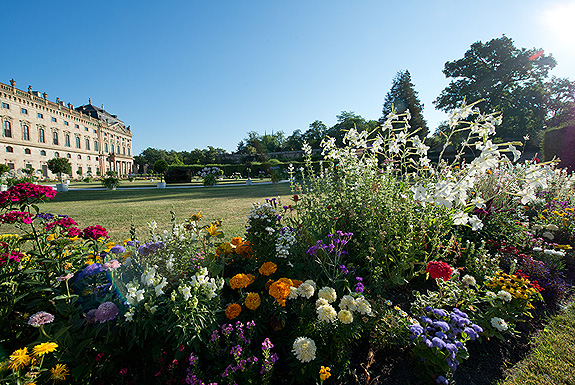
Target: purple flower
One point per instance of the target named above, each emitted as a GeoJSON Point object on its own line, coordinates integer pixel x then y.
{"type": "Point", "coordinates": [40, 318]}
{"type": "Point", "coordinates": [416, 329]}
{"type": "Point", "coordinates": [477, 328]}
{"type": "Point", "coordinates": [267, 344]}
{"type": "Point", "coordinates": [343, 269]}
{"type": "Point", "coordinates": [227, 329]}
{"type": "Point", "coordinates": [117, 249]}
{"type": "Point", "coordinates": [442, 380]}
{"type": "Point", "coordinates": [471, 333]}
{"type": "Point", "coordinates": [91, 316]}
{"type": "Point", "coordinates": [442, 325]}
{"type": "Point", "coordinates": [439, 312]}
{"type": "Point", "coordinates": [107, 311]}
{"type": "Point", "coordinates": [236, 351]}
{"type": "Point", "coordinates": [438, 342]}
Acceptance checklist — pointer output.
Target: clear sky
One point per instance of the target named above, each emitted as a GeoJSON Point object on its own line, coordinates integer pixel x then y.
{"type": "Point", "coordinates": [187, 74]}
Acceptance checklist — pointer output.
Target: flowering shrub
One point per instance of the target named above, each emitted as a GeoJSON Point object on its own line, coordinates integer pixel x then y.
{"type": "Point", "coordinates": [210, 175]}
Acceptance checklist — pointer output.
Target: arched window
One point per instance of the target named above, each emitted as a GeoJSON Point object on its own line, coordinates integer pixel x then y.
{"type": "Point", "coordinates": [56, 155]}
{"type": "Point", "coordinates": [42, 152]}
{"type": "Point", "coordinates": [87, 144]}
{"type": "Point", "coordinates": [27, 151]}
{"type": "Point", "coordinates": [41, 136]}
{"type": "Point", "coordinates": [25, 132]}
{"type": "Point", "coordinates": [124, 150]}
{"type": "Point", "coordinates": [79, 156]}
{"type": "Point", "coordinates": [68, 156]}
{"type": "Point", "coordinates": [9, 149]}
{"type": "Point", "coordinates": [77, 142]}
{"type": "Point", "coordinates": [67, 140]}
{"type": "Point", "coordinates": [95, 145]}
{"type": "Point", "coordinates": [55, 138]}
{"type": "Point", "coordinates": [106, 147]}
{"type": "Point", "coordinates": [7, 129]}
{"type": "Point", "coordinates": [118, 149]}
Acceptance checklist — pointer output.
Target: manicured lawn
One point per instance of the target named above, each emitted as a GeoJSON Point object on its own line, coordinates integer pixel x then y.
{"type": "Point", "coordinates": [151, 182]}
{"type": "Point", "coordinates": [117, 210]}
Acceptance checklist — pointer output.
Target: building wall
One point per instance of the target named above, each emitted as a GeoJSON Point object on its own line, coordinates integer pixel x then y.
{"type": "Point", "coordinates": [34, 130]}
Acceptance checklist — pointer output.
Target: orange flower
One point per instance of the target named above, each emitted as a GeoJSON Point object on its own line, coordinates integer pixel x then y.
{"type": "Point", "coordinates": [253, 301]}
{"type": "Point", "coordinates": [240, 281]}
{"type": "Point", "coordinates": [269, 283]}
{"type": "Point", "coordinates": [224, 248]}
{"type": "Point", "coordinates": [268, 268]}
{"type": "Point", "coordinates": [251, 278]}
{"type": "Point", "coordinates": [296, 283]}
{"type": "Point", "coordinates": [233, 311]}
{"type": "Point", "coordinates": [245, 248]}
{"type": "Point", "coordinates": [280, 290]}
{"type": "Point", "coordinates": [287, 281]}
{"type": "Point", "coordinates": [236, 241]}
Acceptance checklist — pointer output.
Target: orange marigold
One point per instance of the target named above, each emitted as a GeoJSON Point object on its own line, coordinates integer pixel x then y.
{"type": "Point", "coordinates": [253, 301]}
{"type": "Point", "coordinates": [245, 248]}
{"type": "Point", "coordinates": [280, 291]}
{"type": "Point", "coordinates": [269, 283]}
{"type": "Point", "coordinates": [268, 268]}
{"type": "Point", "coordinates": [233, 311]}
{"type": "Point", "coordinates": [240, 281]}
{"type": "Point", "coordinates": [236, 241]}
{"type": "Point", "coordinates": [251, 278]}
{"type": "Point", "coordinates": [296, 283]}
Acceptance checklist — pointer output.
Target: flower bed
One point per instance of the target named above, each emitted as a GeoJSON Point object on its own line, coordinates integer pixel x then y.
{"type": "Point", "coordinates": [380, 251]}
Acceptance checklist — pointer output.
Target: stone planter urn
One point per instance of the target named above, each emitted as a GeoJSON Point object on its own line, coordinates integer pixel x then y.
{"type": "Point", "coordinates": [249, 181]}
{"type": "Point", "coordinates": [62, 187]}
{"type": "Point", "coordinates": [161, 184]}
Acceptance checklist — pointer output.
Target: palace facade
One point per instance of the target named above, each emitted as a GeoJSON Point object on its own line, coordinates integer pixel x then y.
{"type": "Point", "coordinates": [35, 130]}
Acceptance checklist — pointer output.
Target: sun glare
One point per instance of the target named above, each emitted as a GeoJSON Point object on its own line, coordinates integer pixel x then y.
{"type": "Point", "coordinates": [559, 21]}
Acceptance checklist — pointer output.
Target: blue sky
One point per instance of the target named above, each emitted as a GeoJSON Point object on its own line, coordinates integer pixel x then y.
{"type": "Point", "coordinates": [187, 74]}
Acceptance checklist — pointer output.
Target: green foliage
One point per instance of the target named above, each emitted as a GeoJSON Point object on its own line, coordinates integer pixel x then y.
{"type": "Point", "coordinates": [161, 166]}
{"type": "Point", "coordinates": [60, 166]}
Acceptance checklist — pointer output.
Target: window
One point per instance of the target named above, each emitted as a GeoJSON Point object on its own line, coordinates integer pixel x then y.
{"type": "Point", "coordinates": [124, 150]}
{"type": "Point", "coordinates": [79, 156]}
{"type": "Point", "coordinates": [85, 128]}
{"type": "Point", "coordinates": [11, 166]}
{"type": "Point", "coordinates": [128, 150]}
{"type": "Point", "coordinates": [27, 151]}
{"type": "Point", "coordinates": [67, 140]}
{"type": "Point", "coordinates": [42, 152]}
{"type": "Point", "coordinates": [9, 149]}
{"type": "Point", "coordinates": [68, 156]}
{"type": "Point", "coordinates": [106, 147]}
{"type": "Point", "coordinates": [95, 145]}
{"type": "Point", "coordinates": [7, 129]}
{"type": "Point", "coordinates": [41, 137]}
{"type": "Point", "coordinates": [79, 170]}
{"type": "Point", "coordinates": [24, 111]}
{"type": "Point", "coordinates": [77, 142]}
{"type": "Point", "coordinates": [95, 132]}
{"type": "Point", "coordinates": [87, 144]}
{"type": "Point", "coordinates": [55, 138]}
{"type": "Point", "coordinates": [66, 123]}
{"type": "Point", "coordinates": [5, 105]}
{"type": "Point", "coordinates": [75, 125]}
{"type": "Point", "coordinates": [40, 115]}
{"type": "Point", "coordinates": [118, 147]}
{"type": "Point", "coordinates": [25, 132]}
{"type": "Point", "coordinates": [54, 119]}
{"type": "Point", "coordinates": [89, 157]}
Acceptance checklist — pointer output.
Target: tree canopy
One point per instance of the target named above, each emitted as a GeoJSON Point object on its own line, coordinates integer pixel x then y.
{"type": "Point", "coordinates": [401, 97]}
{"type": "Point", "coordinates": [514, 81]}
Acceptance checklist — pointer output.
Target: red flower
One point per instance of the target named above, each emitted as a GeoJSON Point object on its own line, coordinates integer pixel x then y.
{"type": "Point", "coordinates": [296, 198]}
{"type": "Point", "coordinates": [439, 269]}
{"type": "Point", "coordinates": [94, 232]}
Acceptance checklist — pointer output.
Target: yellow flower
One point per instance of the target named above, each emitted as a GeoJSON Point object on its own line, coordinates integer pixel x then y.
{"type": "Point", "coordinates": [51, 237]}
{"type": "Point", "coordinates": [68, 266]}
{"type": "Point", "coordinates": [19, 359]}
{"type": "Point", "coordinates": [59, 372]}
{"type": "Point", "coordinates": [126, 241]}
{"type": "Point", "coordinates": [240, 281]}
{"type": "Point", "coordinates": [324, 373]}
{"type": "Point", "coordinates": [213, 230]}
{"type": "Point", "coordinates": [126, 256]}
{"type": "Point", "coordinates": [43, 348]}
{"type": "Point", "coordinates": [196, 217]}
{"type": "Point", "coordinates": [253, 301]}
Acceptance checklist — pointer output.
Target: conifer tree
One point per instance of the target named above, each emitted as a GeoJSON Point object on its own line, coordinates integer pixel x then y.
{"type": "Point", "coordinates": [403, 96]}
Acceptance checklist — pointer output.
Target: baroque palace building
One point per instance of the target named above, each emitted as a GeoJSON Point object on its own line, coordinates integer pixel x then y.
{"type": "Point", "coordinates": [35, 130]}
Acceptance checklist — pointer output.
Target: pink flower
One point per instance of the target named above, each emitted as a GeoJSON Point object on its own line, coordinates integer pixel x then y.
{"type": "Point", "coordinates": [107, 311]}
{"type": "Point", "coordinates": [16, 216]}
{"type": "Point", "coordinates": [94, 232]}
{"type": "Point", "coordinates": [111, 265]}
{"type": "Point", "coordinates": [26, 193]}
{"type": "Point", "coordinates": [439, 269]}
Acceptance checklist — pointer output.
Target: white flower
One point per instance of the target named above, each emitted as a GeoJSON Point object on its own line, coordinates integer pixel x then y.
{"type": "Point", "coordinates": [548, 235]}
{"type": "Point", "coordinates": [306, 290]}
{"type": "Point", "coordinates": [475, 223]}
{"type": "Point", "coordinates": [327, 293]}
{"type": "Point", "coordinates": [469, 280]}
{"type": "Point", "coordinates": [345, 317]}
{"type": "Point", "coordinates": [326, 313]}
{"type": "Point", "coordinates": [363, 306]}
{"type": "Point", "coordinates": [527, 196]}
{"type": "Point", "coordinates": [460, 218]}
{"type": "Point", "coordinates": [129, 316]}
{"type": "Point", "coordinates": [186, 292]}
{"type": "Point", "coordinates": [321, 302]}
{"type": "Point", "coordinates": [516, 153]}
{"type": "Point", "coordinates": [348, 303]}
{"type": "Point", "coordinates": [293, 294]}
{"type": "Point", "coordinates": [504, 295]}
{"type": "Point", "coordinates": [552, 227]}
{"type": "Point", "coordinates": [537, 249]}
{"type": "Point", "coordinates": [537, 227]}
{"type": "Point", "coordinates": [304, 349]}
{"type": "Point", "coordinates": [170, 262]}
{"type": "Point", "coordinates": [499, 324]}
{"type": "Point", "coordinates": [159, 288]}
{"type": "Point", "coordinates": [491, 295]}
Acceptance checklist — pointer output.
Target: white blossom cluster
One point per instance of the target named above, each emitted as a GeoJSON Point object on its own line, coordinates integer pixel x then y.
{"type": "Point", "coordinates": [209, 170]}
{"type": "Point", "coordinates": [261, 214]}
{"type": "Point", "coordinates": [210, 286]}
{"type": "Point", "coordinates": [285, 240]}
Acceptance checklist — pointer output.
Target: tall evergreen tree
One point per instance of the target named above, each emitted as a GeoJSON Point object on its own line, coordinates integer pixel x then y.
{"type": "Point", "coordinates": [402, 97]}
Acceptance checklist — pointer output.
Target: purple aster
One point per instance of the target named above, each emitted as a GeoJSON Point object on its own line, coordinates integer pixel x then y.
{"type": "Point", "coordinates": [117, 249]}
{"type": "Point", "coordinates": [40, 318]}
{"type": "Point", "coordinates": [107, 311]}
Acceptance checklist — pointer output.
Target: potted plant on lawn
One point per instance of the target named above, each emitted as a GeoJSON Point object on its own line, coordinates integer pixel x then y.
{"type": "Point", "coordinates": [160, 167]}
{"type": "Point", "coordinates": [3, 170]}
{"type": "Point", "coordinates": [111, 180]}
{"type": "Point", "coordinates": [60, 166]}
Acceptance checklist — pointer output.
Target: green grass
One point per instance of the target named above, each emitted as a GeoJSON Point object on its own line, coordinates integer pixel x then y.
{"type": "Point", "coordinates": [552, 358]}
{"type": "Point", "coordinates": [153, 182]}
{"type": "Point", "coordinates": [117, 210]}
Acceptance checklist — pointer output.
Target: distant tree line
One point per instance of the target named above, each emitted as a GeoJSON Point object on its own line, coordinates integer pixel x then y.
{"type": "Point", "coordinates": [512, 81]}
